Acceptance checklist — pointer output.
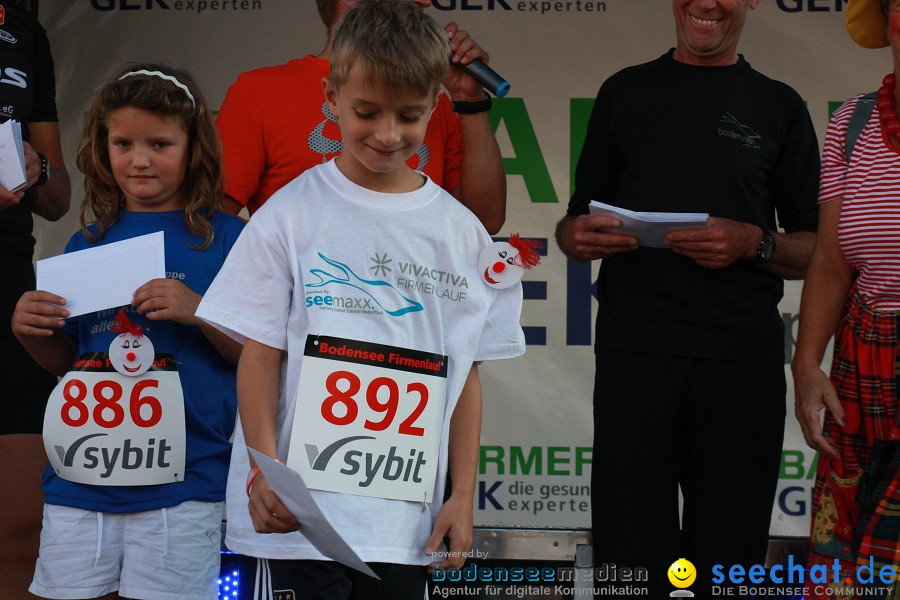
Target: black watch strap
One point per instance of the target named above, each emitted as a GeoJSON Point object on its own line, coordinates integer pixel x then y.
{"type": "Point", "coordinates": [470, 108]}
{"type": "Point", "coordinates": [45, 171]}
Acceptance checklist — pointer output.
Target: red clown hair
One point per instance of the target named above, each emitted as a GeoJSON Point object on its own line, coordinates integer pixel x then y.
{"type": "Point", "coordinates": [122, 324]}
{"type": "Point", "coordinates": [528, 251]}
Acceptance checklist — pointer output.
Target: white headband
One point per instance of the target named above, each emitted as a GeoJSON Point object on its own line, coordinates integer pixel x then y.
{"type": "Point", "coordinates": [163, 76]}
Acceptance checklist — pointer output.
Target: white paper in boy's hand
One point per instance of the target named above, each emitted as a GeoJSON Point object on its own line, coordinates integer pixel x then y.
{"type": "Point", "coordinates": [103, 277]}
{"type": "Point", "coordinates": [295, 496]}
{"type": "Point", "coordinates": [12, 156]}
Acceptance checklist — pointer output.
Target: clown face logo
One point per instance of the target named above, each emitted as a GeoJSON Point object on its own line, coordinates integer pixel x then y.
{"type": "Point", "coordinates": [131, 354]}
{"type": "Point", "coordinates": [499, 266]}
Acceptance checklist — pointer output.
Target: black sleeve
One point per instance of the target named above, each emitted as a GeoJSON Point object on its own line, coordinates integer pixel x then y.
{"type": "Point", "coordinates": [598, 165]}
{"type": "Point", "coordinates": [44, 108]}
{"type": "Point", "coordinates": [795, 176]}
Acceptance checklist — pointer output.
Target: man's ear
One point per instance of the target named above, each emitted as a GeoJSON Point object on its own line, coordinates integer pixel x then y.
{"type": "Point", "coordinates": [434, 102]}
{"type": "Point", "coordinates": [330, 95]}
{"type": "Point", "coordinates": [754, 3]}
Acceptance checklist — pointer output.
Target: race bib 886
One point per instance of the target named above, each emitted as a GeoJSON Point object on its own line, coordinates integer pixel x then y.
{"type": "Point", "coordinates": [105, 428]}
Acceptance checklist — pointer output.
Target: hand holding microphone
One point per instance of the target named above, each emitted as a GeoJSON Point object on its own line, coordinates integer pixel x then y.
{"type": "Point", "coordinates": [464, 47]}
{"type": "Point", "coordinates": [486, 76]}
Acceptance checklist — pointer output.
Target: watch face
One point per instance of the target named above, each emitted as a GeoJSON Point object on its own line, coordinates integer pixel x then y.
{"type": "Point", "coordinates": [766, 248]}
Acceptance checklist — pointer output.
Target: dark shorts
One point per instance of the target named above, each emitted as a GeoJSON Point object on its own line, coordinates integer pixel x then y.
{"type": "Point", "coordinates": [24, 402]}
{"type": "Point", "coordinates": [327, 580]}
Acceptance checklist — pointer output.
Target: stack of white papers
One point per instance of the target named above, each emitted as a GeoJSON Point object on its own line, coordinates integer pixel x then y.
{"type": "Point", "coordinates": [12, 156]}
{"type": "Point", "coordinates": [650, 228]}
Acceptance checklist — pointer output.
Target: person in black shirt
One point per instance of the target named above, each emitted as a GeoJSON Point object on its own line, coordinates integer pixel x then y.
{"type": "Point", "coordinates": [28, 95]}
{"type": "Point", "coordinates": [689, 383]}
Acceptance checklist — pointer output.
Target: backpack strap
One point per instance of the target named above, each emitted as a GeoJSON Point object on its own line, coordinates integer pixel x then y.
{"type": "Point", "coordinates": [858, 120]}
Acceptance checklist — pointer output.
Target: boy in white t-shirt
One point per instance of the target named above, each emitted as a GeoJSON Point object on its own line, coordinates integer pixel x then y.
{"type": "Point", "coordinates": [357, 293]}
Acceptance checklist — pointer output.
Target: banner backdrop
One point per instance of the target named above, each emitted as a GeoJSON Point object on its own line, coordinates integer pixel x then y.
{"type": "Point", "coordinates": [536, 445]}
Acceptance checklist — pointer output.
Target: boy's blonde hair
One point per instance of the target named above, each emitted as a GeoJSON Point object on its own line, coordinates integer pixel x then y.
{"type": "Point", "coordinates": [394, 42]}
{"type": "Point", "coordinates": [201, 190]}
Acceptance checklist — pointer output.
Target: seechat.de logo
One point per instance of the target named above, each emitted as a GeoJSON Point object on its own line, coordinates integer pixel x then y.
{"type": "Point", "coordinates": [682, 574]}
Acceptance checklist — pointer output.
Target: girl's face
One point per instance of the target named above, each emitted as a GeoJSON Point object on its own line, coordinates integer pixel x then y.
{"type": "Point", "coordinates": [148, 156]}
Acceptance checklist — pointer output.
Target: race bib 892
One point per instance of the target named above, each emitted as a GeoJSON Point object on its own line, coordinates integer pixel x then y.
{"type": "Point", "coordinates": [368, 419]}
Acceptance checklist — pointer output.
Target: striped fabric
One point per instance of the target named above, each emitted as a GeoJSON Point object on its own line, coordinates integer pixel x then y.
{"type": "Point", "coordinates": [869, 228]}
{"type": "Point", "coordinates": [856, 501]}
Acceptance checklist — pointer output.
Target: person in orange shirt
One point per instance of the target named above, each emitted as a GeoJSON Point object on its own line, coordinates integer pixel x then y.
{"type": "Point", "coordinates": [275, 124]}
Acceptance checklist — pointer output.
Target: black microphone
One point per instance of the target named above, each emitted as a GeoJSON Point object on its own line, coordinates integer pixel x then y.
{"type": "Point", "coordinates": [486, 76]}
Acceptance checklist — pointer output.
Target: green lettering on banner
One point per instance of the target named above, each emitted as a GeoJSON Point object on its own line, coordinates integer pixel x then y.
{"type": "Point", "coordinates": [579, 115]}
{"type": "Point", "coordinates": [491, 454]}
{"type": "Point", "coordinates": [517, 457]}
{"type": "Point", "coordinates": [529, 160]}
{"type": "Point", "coordinates": [531, 460]}
{"type": "Point", "coordinates": [553, 460]}
{"type": "Point", "coordinates": [791, 465]}
{"type": "Point", "coordinates": [581, 459]}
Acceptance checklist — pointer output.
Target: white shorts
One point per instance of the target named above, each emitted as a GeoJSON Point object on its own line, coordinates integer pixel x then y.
{"type": "Point", "coordinates": [164, 554]}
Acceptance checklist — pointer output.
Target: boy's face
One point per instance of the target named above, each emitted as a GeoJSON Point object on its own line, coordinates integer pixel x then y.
{"type": "Point", "coordinates": [380, 128]}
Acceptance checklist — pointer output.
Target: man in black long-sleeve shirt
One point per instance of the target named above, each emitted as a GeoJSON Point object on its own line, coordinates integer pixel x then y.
{"type": "Point", "coordinates": [689, 385]}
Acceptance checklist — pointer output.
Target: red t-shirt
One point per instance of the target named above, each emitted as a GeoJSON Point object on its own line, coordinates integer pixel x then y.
{"type": "Point", "coordinates": [275, 124]}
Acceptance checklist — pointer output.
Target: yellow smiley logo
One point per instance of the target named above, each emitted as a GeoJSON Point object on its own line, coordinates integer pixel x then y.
{"type": "Point", "coordinates": [682, 573]}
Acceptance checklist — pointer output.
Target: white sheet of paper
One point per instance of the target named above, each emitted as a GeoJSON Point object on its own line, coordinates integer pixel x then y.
{"type": "Point", "coordinates": [650, 228]}
{"type": "Point", "coordinates": [295, 496]}
{"type": "Point", "coordinates": [12, 156]}
{"type": "Point", "coordinates": [103, 277]}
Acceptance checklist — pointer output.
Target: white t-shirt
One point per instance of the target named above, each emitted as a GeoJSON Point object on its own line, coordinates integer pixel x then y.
{"type": "Point", "coordinates": [326, 257]}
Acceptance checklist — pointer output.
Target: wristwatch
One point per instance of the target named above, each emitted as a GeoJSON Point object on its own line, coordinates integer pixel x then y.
{"type": "Point", "coordinates": [472, 108]}
{"type": "Point", "coordinates": [45, 171]}
{"type": "Point", "coordinates": [766, 249]}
